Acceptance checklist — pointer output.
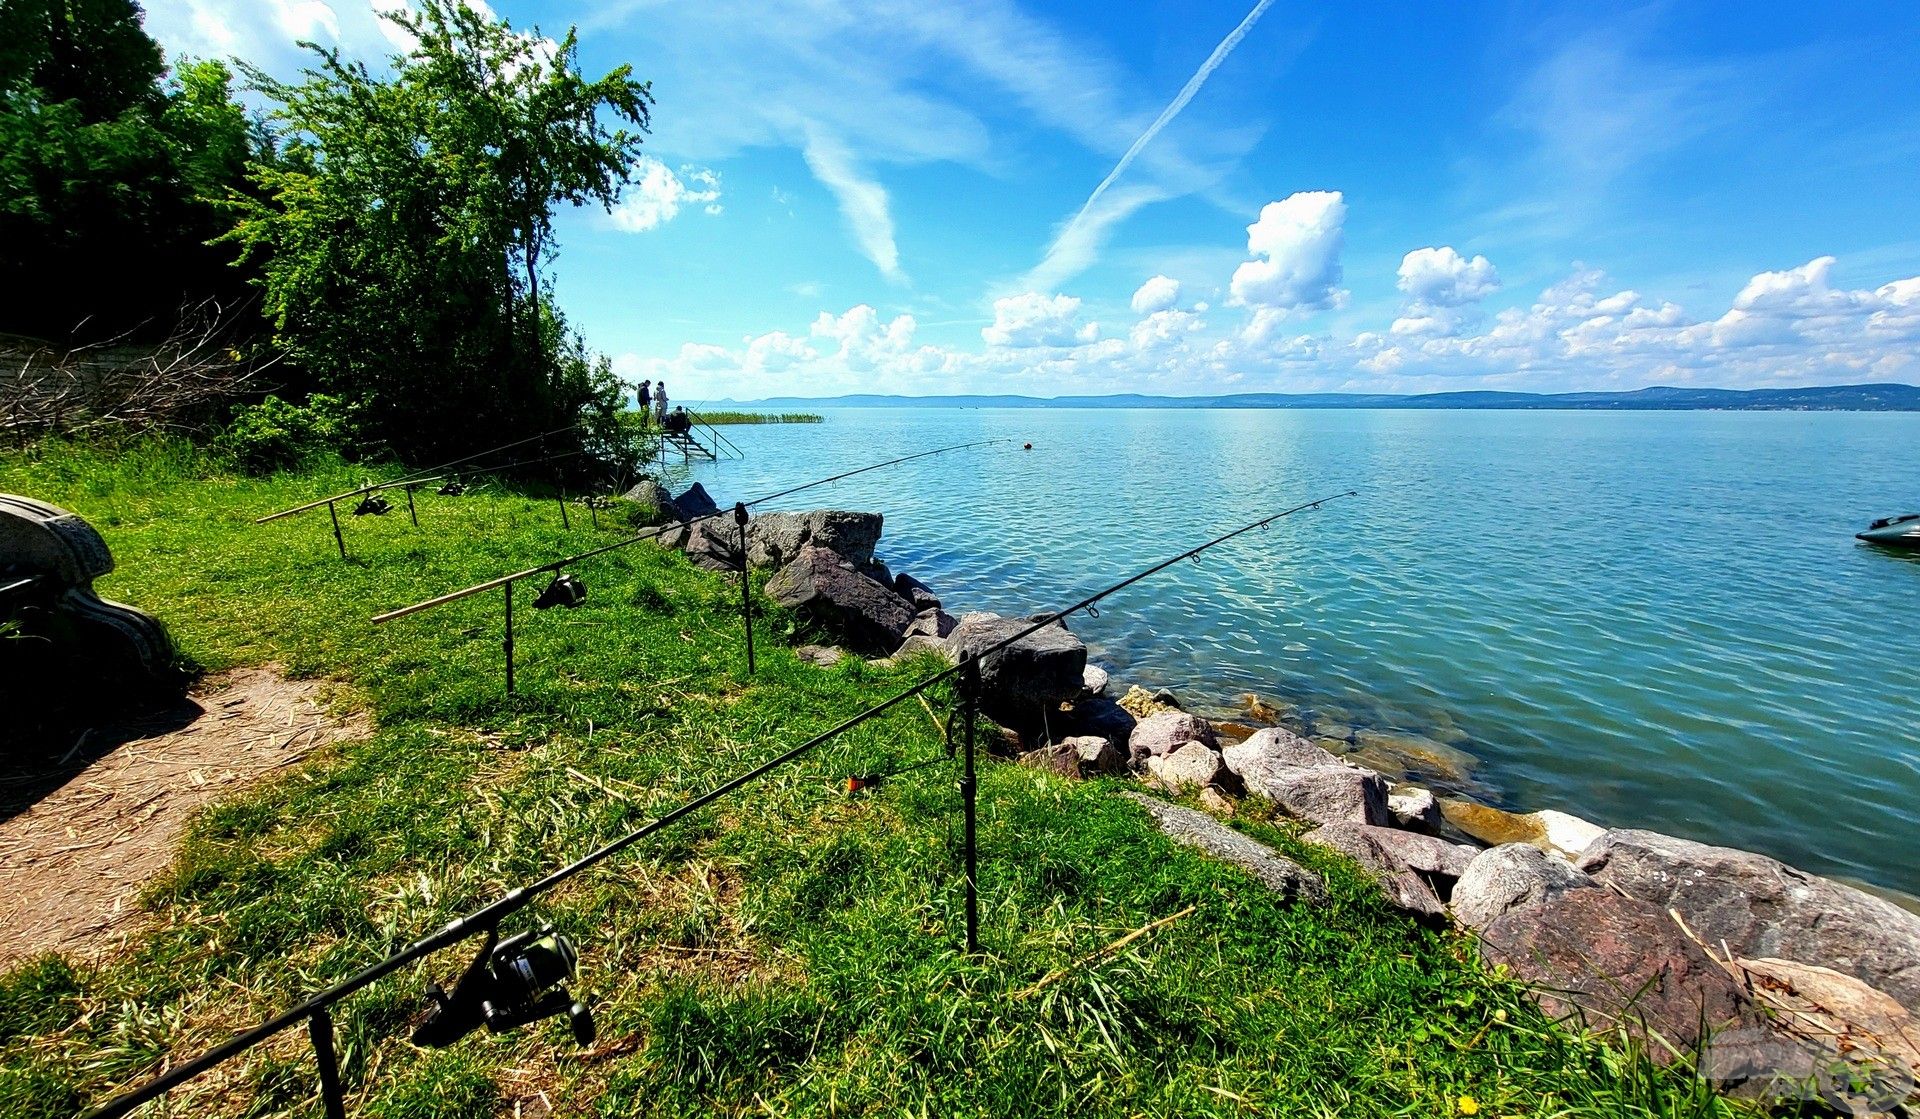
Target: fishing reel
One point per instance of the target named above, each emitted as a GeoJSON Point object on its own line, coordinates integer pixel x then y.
{"type": "Point", "coordinates": [453, 488]}
{"type": "Point", "coordinates": [509, 984]}
{"type": "Point", "coordinates": [372, 505]}
{"type": "Point", "coordinates": [565, 591]}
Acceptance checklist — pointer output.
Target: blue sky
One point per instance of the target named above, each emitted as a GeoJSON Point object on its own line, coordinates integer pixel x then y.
{"type": "Point", "coordinates": [900, 196]}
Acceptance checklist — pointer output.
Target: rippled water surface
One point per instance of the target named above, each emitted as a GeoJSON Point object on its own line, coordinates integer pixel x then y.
{"type": "Point", "coordinates": [1649, 619]}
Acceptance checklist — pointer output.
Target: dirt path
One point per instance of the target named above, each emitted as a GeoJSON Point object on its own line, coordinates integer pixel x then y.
{"type": "Point", "coordinates": [79, 839]}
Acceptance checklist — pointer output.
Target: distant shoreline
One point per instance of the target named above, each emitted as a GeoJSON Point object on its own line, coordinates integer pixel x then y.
{"type": "Point", "coordinates": [1832, 398]}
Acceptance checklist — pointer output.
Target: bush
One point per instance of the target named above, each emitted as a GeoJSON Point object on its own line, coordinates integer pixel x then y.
{"type": "Point", "coordinates": [275, 435]}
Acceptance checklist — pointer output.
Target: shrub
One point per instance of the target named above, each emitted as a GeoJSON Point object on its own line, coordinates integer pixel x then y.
{"type": "Point", "coordinates": [276, 435]}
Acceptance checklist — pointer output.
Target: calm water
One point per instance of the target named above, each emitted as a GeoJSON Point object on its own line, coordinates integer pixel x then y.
{"type": "Point", "coordinates": [1648, 619]}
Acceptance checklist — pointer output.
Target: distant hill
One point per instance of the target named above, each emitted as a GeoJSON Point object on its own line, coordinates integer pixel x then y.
{"type": "Point", "coordinates": [1832, 398]}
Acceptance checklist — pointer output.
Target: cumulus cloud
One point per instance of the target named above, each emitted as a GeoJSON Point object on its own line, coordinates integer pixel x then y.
{"type": "Point", "coordinates": [1156, 294]}
{"type": "Point", "coordinates": [1164, 329]}
{"type": "Point", "coordinates": [862, 339]}
{"type": "Point", "coordinates": [1296, 244]}
{"type": "Point", "coordinates": [1442, 288]}
{"type": "Point", "coordinates": [1444, 278]}
{"type": "Point", "coordinates": [776, 352]}
{"type": "Point", "coordinates": [1031, 320]}
{"type": "Point", "coordinates": [1793, 326]}
{"type": "Point", "coordinates": [657, 194]}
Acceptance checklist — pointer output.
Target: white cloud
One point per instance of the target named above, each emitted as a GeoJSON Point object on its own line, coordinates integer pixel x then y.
{"type": "Point", "coordinates": [1157, 294]}
{"type": "Point", "coordinates": [863, 201]}
{"type": "Point", "coordinates": [1032, 320]}
{"type": "Point", "coordinates": [1163, 329]}
{"type": "Point", "coordinates": [1077, 243]}
{"type": "Point", "coordinates": [1795, 326]}
{"type": "Point", "coordinates": [1442, 288]}
{"type": "Point", "coordinates": [1297, 244]}
{"type": "Point", "coordinates": [863, 340]}
{"type": "Point", "coordinates": [776, 352]}
{"type": "Point", "coordinates": [1063, 267]}
{"type": "Point", "coordinates": [657, 194]}
{"type": "Point", "coordinates": [849, 87]}
{"type": "Point", "coordinates": [1443, 278]}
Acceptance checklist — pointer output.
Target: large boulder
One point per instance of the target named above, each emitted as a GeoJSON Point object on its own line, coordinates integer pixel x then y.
{"type": "Point", "coordinates": [1266, 752]}
{"type": "Point", "coordinates": [1327, 794]}
{"type": "Point", "coordinates": [1551, 831]}
{"type": "Point", "coordinates": [1412, 754]}
{"type": "Point", "coordinates": [1416, 872]}
{"type": "Point", "coordinates": [1098, 715]}
{"type": "Point", "coordinates": [1858, 1031]}
{"type": "Point", "coordinates": [1141, 703]}
{"type": "Point", "coordinates": [1602, 961]}
{"type": "Point", "coordinates": [917, 643]}
{"type": "Point", "coordinates": [1306, 781]}
{"type": "Point", "coordinates": [775, 539]}
{"type": "Point", "coordinates": [1415, 809]}
{"type": "Point", "coordinates": [917, 594]}
{"type": "Point", "coordinates": [1197, 829]}
{"type": "Point", "coordinates": [654, 505]}
{"type": "Point", "coordinates": [1159, 735]}
{"type": "Point", "coordinates": [1041, 670]}
{"type": "Point", "coordinates": [695, 503]}
{"type": "Point", "coordinates": [1762, 907]}
{"type": "Point", "coordinates": [1509, 877]}
{"type": "Point", "coordinates": [1083, 756]}
{"type": "Point", "coordinates": [711, 545]}
{"type": "Point", "coordinates": [1192, 765]}
{"type": "Point", "coordinates": [826, 585]}
{"type": "Point", "coordinates": [932, 622]}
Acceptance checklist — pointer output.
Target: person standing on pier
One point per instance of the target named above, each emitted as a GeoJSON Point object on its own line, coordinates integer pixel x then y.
{"type": "Point", "coordinates": [660, 402]}
{"type": "Point", "coordinates": [646, 403]}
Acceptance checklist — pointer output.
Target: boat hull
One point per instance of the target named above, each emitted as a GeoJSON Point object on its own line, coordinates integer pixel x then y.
{"type": "Point", "coordinates": [1894, 532]}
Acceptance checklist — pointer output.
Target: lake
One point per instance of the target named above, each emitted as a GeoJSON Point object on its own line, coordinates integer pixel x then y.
{"type": "Point", "coordinates": [1649, 619]}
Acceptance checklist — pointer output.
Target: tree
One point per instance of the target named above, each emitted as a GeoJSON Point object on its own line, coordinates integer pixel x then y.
{"type": "Point", "coordinates": [92, 53]}
{"type": "Point", "coordinates": [113, 176]}
{"type": "Point", "coordinates": [403, 232]}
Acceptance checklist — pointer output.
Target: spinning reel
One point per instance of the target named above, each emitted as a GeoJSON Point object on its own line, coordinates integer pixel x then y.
{"type": "Point", "coordinates": [373, 505]}
{"type": "Point", "coordinates": [510, 983]}
{"type": "Point", "coordinates": [565, 591]}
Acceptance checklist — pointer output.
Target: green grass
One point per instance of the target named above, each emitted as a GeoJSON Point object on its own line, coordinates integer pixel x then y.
{"type": "Point", "coordinates": [789, 951]}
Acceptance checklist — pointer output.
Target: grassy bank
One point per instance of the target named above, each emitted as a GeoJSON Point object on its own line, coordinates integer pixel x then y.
{"type": "Point", "coordinates": [790, 951]}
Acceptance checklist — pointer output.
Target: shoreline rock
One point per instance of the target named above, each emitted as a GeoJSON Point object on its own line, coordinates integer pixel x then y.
{"type": "Point", "coordinates": [1579, 912]}
{"type": "Point", "coordinates": [1760, 907]}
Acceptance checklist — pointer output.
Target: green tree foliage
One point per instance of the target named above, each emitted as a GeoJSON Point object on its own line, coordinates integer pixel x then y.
{"type": "Point", "coordinates": [404, 230]}
{"type": "Point", "coordinates": [112, 174]}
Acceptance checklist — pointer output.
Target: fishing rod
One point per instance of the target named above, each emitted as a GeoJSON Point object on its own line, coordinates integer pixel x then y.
{"type": "Point", "coordinates": [521, 979]}
{"type": "Point", "coordinates": [371, 503]}
{"type": "Point", "coordinates": [567, 591]}
{"type": "Point", "coordinates": [416, 477]}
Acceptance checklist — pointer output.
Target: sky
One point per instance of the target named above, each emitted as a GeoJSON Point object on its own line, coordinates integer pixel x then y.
{"type": "Point", "coordinates": [979, 196]}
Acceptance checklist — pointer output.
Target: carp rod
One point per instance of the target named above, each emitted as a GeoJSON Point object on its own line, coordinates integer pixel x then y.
{"type": "Point", "coordinates": [415, 478]}
{"type": "Point", "coordinates": [566, 591]}
{"type": "Point", "coordinates": [520, 980]}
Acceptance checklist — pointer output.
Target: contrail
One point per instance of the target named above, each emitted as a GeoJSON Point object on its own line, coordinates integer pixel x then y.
{"type": "Point", "coordinates": [1173, 108]}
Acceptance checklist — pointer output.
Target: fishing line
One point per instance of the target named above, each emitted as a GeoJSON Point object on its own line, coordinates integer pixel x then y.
{"type": "Point", "coordinates": [654, 533]}
{"type": "Point", "coordinates": [521, 979]}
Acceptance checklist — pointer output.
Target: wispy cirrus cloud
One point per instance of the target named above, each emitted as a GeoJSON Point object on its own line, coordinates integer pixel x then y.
{"type": "Point", "coordinates": [1077, 243]}
{"type": "Point", "coordinates": [863, 201]}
